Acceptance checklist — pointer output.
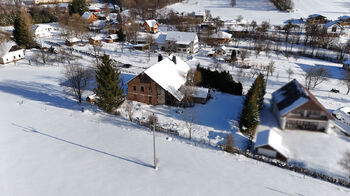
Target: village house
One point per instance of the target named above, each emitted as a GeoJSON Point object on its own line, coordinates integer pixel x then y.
{"type": "Point", "coordinates": [186, 42]}
{"type": "Point", "coordinates": [317, 19]}
{"type": "Point", "coordinates": [344, 21]}
{"type": "Point", "coordinates": [165, 84]}
{"type": "Point", "coordinates": [111, 38]}
{"type": "Point", "coordinates": [220, 37]}
{"type": "Point", "coordinates": [269, 143]}
{"type": "Point", "coordinates": [10, 52]}
{"type": "Point", "coordinates": [95, 40]}
{"type": "Point", "coordinates": [72, 41]}
{"type": "Point", "coordinates": [296, 108]}
{"type": "Point", "coordinates": [90, 16]}
{"type": "Point", "coordinates": [333, 28]}
{"type": "Point", "coordinates": [97, 25]}
{"type": "Point", "coordinates": [42, 30]}
{"type": "Point", "coordinates": [151, 26]}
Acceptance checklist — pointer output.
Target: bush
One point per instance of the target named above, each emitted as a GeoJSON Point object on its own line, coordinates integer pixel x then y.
{"type": "Point", "coordinates": [221, 81]}
{"type": "Point", "coordinates": [283, 5]}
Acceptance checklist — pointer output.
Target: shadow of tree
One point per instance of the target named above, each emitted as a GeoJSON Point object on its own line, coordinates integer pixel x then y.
{"type": "Point", "coordinates": [32, 130]}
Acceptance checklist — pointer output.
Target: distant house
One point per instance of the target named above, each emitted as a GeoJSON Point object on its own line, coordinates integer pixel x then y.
{"type": "Point", "coordinates": [94, 8]}
{"type": "Point", "coordinates": [160, 84]}
{"type": "Point", "coordinates": [42, 30]}
{"type": "Point", "coordinates": [269, 143]}
{"type": "Point", "coordinates": [111, 38]}
{"type": "Point", "coordinates": [200, 16]}
{"type": "Point", "coordinates": [346, 65]}
{"type": "Point", "coordinates": [344, 21]}
{"type": "Point", "coordinates": [151, 26]}
{"type": "Point", "coordinates": [95, 40]}
{"type": "Point", "coordinates": [333, 28]}
{"type": "Point", "coordinates": [10, 52]}
{"type": "Point", "coordinates": [296, 108]}
{"type": "Point", "coordinates": [296, 23]}
{"type": "Point", "coordinates": [72, 41]}
{"type": "Point", "coordinates": [90, 16]}
{"type": "Point", "coordinates": [317, 19]}
{"type": "Point", "coordinates": [220, 37]}
{"type": "Point", "coordinates": [97, 25]}
{"type": "Point", "coordinates": [176, 41]}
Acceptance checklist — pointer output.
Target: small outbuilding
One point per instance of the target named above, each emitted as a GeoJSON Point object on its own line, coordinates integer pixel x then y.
{"type": "Point", "coordinates": [111, 38]}
{"type": "Point", "coordinates": [95, 40]}
{"type": "Point", "coordinates": [269, 143]}
{"type": "Point", "coordinates": [72, 41]}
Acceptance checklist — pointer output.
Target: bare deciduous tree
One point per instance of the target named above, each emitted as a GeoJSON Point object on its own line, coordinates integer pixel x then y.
{"type": "Point", "coordinates": [244, 54]}
{"type": "Point", "coordinates": [77, 77]}
{"type": "Point", "coordinates": [96, 51]}
{"type": "Point", "coordinates": [190, 118]}
{"type": "Point", "coordinates": [229, 143]}
{"type": "Point", "coordinates": [129, 109]}
{"type": "Point", "coordinates": [315, 76]}
{"type": "Point", "coordinates": [345, 162]}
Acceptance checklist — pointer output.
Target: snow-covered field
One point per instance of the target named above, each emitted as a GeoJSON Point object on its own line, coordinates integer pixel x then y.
{"type": "Point", "coordinates": [50, 147]}
{"type": "Point", "coordinates": [263, 10]}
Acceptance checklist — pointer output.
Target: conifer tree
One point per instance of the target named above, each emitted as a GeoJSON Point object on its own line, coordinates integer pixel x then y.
{"type": "Point", "coordinates": [250, 116]}
{"type": "Point", "coordinates": [78, 7]}
{"type": "Point", "coordinates": [109, 90]}
{"type": "Point", "coordinates": [23, 32]}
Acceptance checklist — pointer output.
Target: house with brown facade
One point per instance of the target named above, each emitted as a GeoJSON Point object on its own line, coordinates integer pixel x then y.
{"type": "Point", "coordinates": [317, 19]}
{"type": "Point", "coordinates": [297, 109]}
{"type": "Point", "coordinates": [220, 37]}
{"type": "Point", "coordinates": [151, 26]}
{"type": "Point", "coordinates": [160, 84]}
{"type": "Point", "coordinates": [344, 21]}
{"type": "Point", "coordinates": [90, 16]}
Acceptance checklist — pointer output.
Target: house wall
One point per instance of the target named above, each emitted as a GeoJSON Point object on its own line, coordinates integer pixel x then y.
{"type": "Point", "coordinates": [270, 152]}
{"type": "Point", "coordinates": [152, 93]}
{"type": "Point", "coordinates": [12, 56]}
{"type": "Point", "coordinates": [337, 28]}
{"type": "Point", "coordinates": [309, 116]}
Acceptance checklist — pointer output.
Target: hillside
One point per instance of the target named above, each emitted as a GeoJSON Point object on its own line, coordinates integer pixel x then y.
{"type": "Point", "coordinates": [263, 10]}
{"type": "Point", "coordinates": [50, 147]}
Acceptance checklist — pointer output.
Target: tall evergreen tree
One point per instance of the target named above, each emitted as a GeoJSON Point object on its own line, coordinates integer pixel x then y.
{"type": "Point", "coordinates": [23, 32]}
{"type": "Point", "coordinates": [78, 7]}
{"type": "Point", "coordinates": [109, 90]}
{"type": "Point", "coordinates": [250, 116]}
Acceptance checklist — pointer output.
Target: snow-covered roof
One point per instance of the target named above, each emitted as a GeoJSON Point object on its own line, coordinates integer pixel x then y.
{"type": "Point", "coordinates": [344, 17]}
{"type": "Point", "coordinates": [161, 38]}
{"type": "Point", "coordinates": [200, 92]}
{"type": "Point", "coordinates": [331, 23]}
{"type": "Point", "coordinates": [96, 38]}
{"type": "Point", "coordinates": [93, 7]}
{"type": "Point", "coordinates": [293, 21]}
{"type": "Point", "coordinates": [7, 47]}
{"type": "Point", "coordinates": [179, 37]}
{"type": "Point", "coordinates": [290, 96]}
{"type": "Point", "coordinates": [73, 39]}
{"type": "Point", "coordinates": [271, 138]}
{"type": "Point", "coordinates": [221, 35]}
{"type": "Point", "coordinates": [87, 15]}
{"type": "Point", "coordinates": [169, 76]}
{"type": "Point", "coordinates": [112, 36]}
{"type": "Point", "coordinates": [151, 23]}
{"type": "Point", "coordinates": [315, 16]}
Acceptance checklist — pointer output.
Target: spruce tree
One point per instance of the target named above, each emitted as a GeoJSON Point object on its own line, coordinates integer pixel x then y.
{"type": "Point", "coordinates": [109, 90]}
{"type": "Point", "coordinates": [23, 32]}
{"type": "Point", "coordinates": [78, 7]}
{"type": "Point", "coordinates": [250, 116]}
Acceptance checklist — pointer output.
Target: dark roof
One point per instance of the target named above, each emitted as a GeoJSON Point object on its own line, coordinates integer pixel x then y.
{"type": "Point", "coordinates": [15, 48]}
{"type": "Point", "coordinates": [289, 94]}
{"type": "Point", "coordinates": [293, 95]}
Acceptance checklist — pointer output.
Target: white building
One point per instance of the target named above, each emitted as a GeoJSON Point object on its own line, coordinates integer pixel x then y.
{"type": "Point", "coordinates": [186, 42]}
{"type": "Point", "coordinates": [42, 30]}
{"type": "Point", "coordinates": [10, 52]}
{"type": "Point", "coordinates": [333, 27]}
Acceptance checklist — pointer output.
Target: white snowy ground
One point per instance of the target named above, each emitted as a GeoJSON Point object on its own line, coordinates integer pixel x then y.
{"type": "Point", "coordinates": [263, 10]}
{"type": "Point", "coordinates": [49, 147]}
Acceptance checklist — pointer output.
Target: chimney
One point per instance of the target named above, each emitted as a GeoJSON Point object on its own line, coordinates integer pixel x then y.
{"type": "Point", "coordinates": [174, 59]}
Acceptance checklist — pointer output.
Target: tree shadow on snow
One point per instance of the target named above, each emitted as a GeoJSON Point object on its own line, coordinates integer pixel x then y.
{"type": "Point", "coordinates": [47, 93]}
{"type": "Point", "coordinates": [32, 130]}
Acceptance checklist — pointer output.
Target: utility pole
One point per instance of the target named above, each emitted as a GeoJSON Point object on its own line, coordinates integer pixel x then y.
{"type": "Point", "coordinates": [154, 143]}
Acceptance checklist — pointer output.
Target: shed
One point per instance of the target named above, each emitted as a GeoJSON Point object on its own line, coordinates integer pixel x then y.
{"type": "Point", "coordinates": [269, 143]}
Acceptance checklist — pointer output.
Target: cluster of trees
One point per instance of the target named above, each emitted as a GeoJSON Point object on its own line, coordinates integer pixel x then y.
{"type": "Point", "coordinates": [7, 14]}
{"type": "Point", "coordinates": [43, 15]}
{"type": "Point", "coordinates": [221, 81]}
{"type": "Point", "coordinates": [109, 91]}
{"type": "Point", "coordinates": [283, 5]}
{"type": "Point", "coordinates": [253, 103]}
{"type": "Point", "coordinates": [23, 32]}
